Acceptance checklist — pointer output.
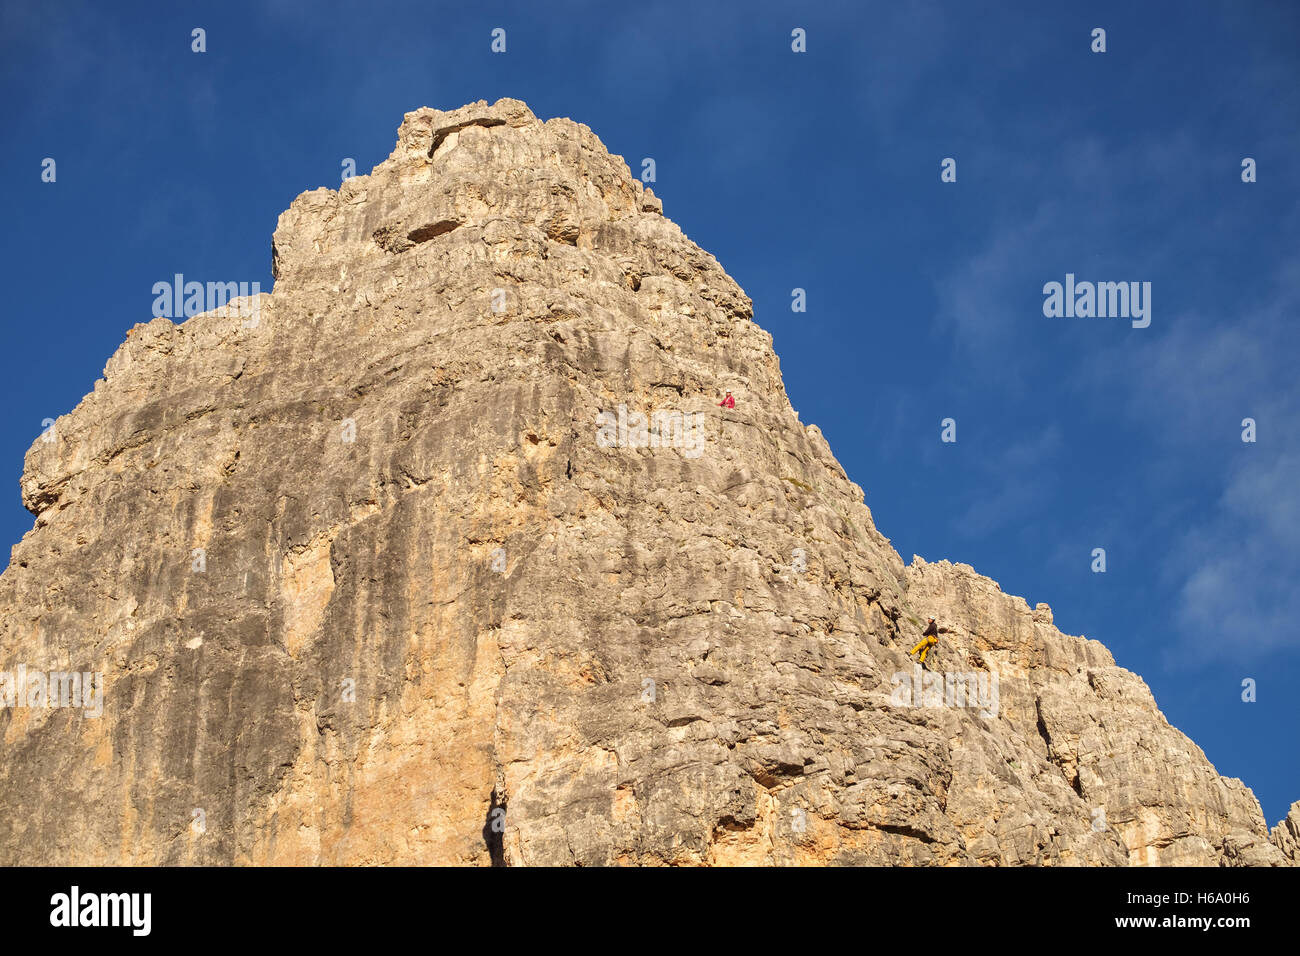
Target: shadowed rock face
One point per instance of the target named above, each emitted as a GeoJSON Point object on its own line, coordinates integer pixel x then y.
{"type": "Point", "coordinates": [370, 579]}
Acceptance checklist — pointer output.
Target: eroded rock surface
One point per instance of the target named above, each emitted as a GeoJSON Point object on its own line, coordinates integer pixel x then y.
{"type": "Point", "coordinates": [366, 586]}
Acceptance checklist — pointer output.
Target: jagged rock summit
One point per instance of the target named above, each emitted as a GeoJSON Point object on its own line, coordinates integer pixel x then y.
{"type": "Point", "coordinates": [395, 571]}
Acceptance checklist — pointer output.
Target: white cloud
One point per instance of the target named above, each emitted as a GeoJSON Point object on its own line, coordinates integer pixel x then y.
{"type": "Point", "coordinates": [1238, 562]}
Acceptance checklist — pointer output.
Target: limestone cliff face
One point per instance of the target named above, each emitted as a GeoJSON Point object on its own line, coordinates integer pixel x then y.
{"type": "Point", "coordinates": [371, 579]}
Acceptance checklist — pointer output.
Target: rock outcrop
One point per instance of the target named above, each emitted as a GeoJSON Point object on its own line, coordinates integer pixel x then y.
{"type": "Point", "coordinates": [386, 567]}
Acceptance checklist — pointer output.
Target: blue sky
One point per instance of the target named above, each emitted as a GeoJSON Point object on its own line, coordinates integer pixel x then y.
{"type": "Point", "coordinates": [821, 171]}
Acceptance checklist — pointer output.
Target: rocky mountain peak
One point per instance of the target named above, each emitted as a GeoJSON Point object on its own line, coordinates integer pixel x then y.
{"type": "Point", "coordinates": [449, 550]}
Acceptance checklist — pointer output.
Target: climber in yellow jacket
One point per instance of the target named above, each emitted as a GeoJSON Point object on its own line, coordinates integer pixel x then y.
{"type": "Point", "coordinates": [929, 638]}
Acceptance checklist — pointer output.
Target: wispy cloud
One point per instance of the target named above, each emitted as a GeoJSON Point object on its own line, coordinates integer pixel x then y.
{"type": "Point", "coordinates": [1235, 567]}
{"type": "Point", "coordinates": [1019, 475]}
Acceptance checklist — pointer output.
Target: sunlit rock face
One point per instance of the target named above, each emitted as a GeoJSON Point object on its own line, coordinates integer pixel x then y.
{"type": "Point", "coordinates": [446, 552]}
